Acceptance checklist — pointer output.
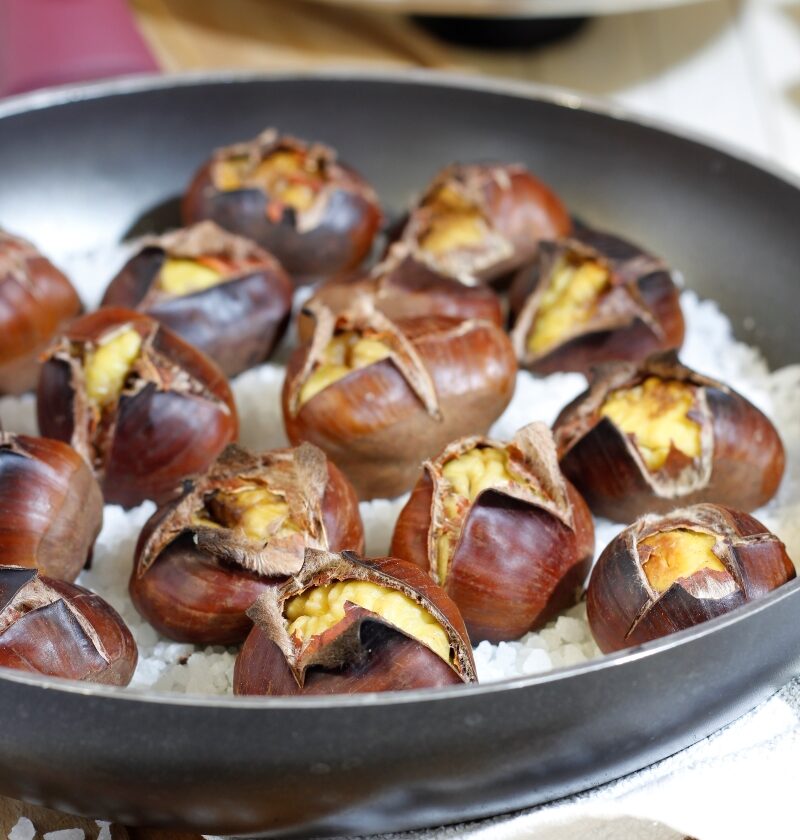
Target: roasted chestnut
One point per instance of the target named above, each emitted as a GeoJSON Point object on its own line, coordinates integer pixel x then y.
{"type": "Point", "coordinates": [52, 507]}
{"type": "Point", "coordinates": [344, 625]}
{"type": "Point", "coordinates": [142, 406]}
{"type": "Point", "coordinates": [62, 630]}
{"type": "Point", "coordinates": [315, 214]}
{"type": "Point", "coordinates": [36, 301]}
{"type": "Point", "coordinates": [593, 298]}
{"type": "Point", "coordinates": [648, 438]}
{"type": "Point", "coordinates": [480, 222]}
{"type": "Point", "coordinates": [501, 530]}
{"type": "Point", "coordinates": [203, 559]}
{"type": "Point", "coordinates": [664, 574]}
{"type": "Point", "coordinates": [218, 291]}
{"type": "Point", "coordinates": [402, 287]}
{"type": "Point", "coordinates": [380, 396]}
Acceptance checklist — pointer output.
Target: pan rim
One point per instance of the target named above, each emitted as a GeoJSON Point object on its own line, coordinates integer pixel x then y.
{"type": "Point", "coordinates": [549, 94]}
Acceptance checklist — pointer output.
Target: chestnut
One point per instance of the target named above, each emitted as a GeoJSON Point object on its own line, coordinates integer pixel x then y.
{"type": "Point", "coordinates": [238, 529]}
{"type": "Point", "coordinates": [380, 396]}
{"type": "Point", "coordinates": [647, 438]}
{"type": "Point", "coordinates": [593, 298]}
{"type": "Point", "coordinates": [314, 213]}
{"type": "Point", "coordinates": [220, 292]}
{"type": "Point", "coordinates": [501, 530]}
{"type": "Point", "coordinates": [664, 574]}
{"type": "Point", "coordinates": [52, 507]}
{"type": "Point", "coordinates": [36, 301]}
{"type": "Point", "coordinates": [343, 625]}
{"type": "Point", "coordinates": [480, 222]}
{"type": "Point", "coordinates": [143, 407]}
{"type": "Point", "coordinates": [62, 630]}
{"type": "Point", "coordinates": [402, 287]}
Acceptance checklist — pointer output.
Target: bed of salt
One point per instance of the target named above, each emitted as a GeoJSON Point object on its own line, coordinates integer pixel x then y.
{"type": "Point", "coordinates": [166, 666]}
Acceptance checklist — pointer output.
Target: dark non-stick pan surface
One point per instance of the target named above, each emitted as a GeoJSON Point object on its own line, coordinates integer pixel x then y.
{"type": "Point", "coordinates": [82, 169]}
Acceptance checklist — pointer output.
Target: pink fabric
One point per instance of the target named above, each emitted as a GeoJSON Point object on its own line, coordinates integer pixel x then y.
{"type": "Point", "coordinates": [51, 42]}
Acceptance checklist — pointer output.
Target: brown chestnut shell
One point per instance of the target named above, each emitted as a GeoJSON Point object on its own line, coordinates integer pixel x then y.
{"type": "Point", "coordinates": [333, 236]}
{"type": "Point", "coordinates": [521, 555]}
{"type": "Point", "coordinates": [195, 584]}
{"type": "Point", "coordinates": [36, 302]}
{"type": "Point", "coordinates": [445, 379]}
{"type": "Point", "coordinates": [362, 652]}
{"type": "Point", "coordinates": [519, 210]}
{"type": "Point", "coordinates": [62, 630]}
{"type": "Point", "coordinates": [741, 464]}
{"type": "Point", "coordinates": [638, 316]}
{"type": "Point", "coordinates": [624, 610]}
{"type": "Point", "coordinates": [236, 322]}
{"type": "Point", "coordinates": [52, 506]}
{"type": "Point", "coordinates": [174, 416]}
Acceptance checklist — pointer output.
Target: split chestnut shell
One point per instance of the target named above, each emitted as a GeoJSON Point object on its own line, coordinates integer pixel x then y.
{"type": "Point", "coordinates": [649, 438]}
{"type": "Point", "coordinates": [344, 625]}
{"type": "Point", "coordinates": [397, 398]}
{"type": "Point", "coordinates": [36, 301]}
{"type": "Point", "coordinates": [52, 507]}
{"type": "Point", "coordinates": [314, 213]}
{"type": "Point", "coordinates": [501, 530]}
{"type": "Point", "coordinates": [229, 298]}
{"type": "Point", "coordinates": [142, 406]}
{"type": "Point", "coordinates": [61, 630]}
{"type": "Point", "coordinates": [664, 574]}
{"type": "Point", "coordinates": [239, 529]}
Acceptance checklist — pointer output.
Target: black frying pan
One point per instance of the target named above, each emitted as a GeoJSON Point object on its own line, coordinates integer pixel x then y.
{"type": "Point", "coordinates": [84, 167]}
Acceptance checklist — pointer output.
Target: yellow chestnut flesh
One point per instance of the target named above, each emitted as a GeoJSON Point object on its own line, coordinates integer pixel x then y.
{"type": "Point", "coordinates": [283, 175]}
{"type": "Point", "coordinates": [455, 224]}
{"type": "Point", "coordinates": [655, 415]}
{"type": "Point", "coordinates": [345, 353]}
{"type": "Point", "coordinates": [322, 607]}
{"type": "Point", "coordinates": [253, 509]}
{"type": "Point", "coordinates": [107, 367]}
{"type": "Point", "coordinates": [678, 554]}
{"type": "Point", "coordinates": [183, 277]}
{"type": "Point", "coordinates": [569, 301]}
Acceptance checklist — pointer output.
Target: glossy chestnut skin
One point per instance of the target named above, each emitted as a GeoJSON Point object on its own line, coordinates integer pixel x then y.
{"type": "Point", "coordinates": [62, 630]}
{"type": "Point", "coordinates": [520, 559]}
{"type": "Point", "coordinates": [170, 424]}
{"type": "Point", "coordinates": [196, 593]}
{"type": "Point", "coordinates": [519, 210]}
{"type": "Point", "coordinates": [639, 316]}
{"type": "Point", "coordinates": [741, 465]}
{"type": "Point", "coordinates": [401, 287]}
{"type": "Point", "coordinates": [51, 503]}
{"type": "Point", "coordinates": [237, 322]}
{"type": "Point", "coordinates": [377, 426]}
{"type": "Point", "coordinates": [362, 652]}
{"type": "Point", "coordinates": [624, 610]}
{"type": "Point", "coordinates": [36, 302]}
{"type": "Point", "coordinates": [334, 236]}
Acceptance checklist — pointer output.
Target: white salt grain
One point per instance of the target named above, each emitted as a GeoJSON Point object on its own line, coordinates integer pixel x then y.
{"type": "Point", "coordinates": [23, 829]}
{"type": "Point", "coordinates": [66, 834]}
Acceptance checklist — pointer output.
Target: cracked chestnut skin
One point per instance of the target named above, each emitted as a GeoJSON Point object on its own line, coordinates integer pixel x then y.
{"type": "Point", "coordinates": [519, 210]}
{"type": "Point", "coordinates": [741, 464]}
{"type": "Point", "coordinates": [378, 426]}
{"type": "Point", "coordinates": [639, 317]}
{"type": "Point", "coordinates": [174, 417]}
{"type": "Point", "coordinates": [521, 557]}
{"type": "Point", "coordinates": [402, 287]}
{"type": "Point", "coordinates": [362, 652]}
{"type": "Point", "coordinates": [333, 236]}
{"type": "Point", "coordinates": [52, 506]}
{"type": "Point", "coordinates": [237, 322]}
{"type": "Point", "coordinates": [623, 608]}
{"type": "Point", "coordinates": [36, 302]}
{"type": "Point", "coordinates": [195, 585]}
{"type": "Point", "coordinates": [62, 630]}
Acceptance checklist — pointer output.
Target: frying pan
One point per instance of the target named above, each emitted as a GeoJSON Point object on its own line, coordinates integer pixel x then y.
{"type": "Point", "coordinates": [82, 167]}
